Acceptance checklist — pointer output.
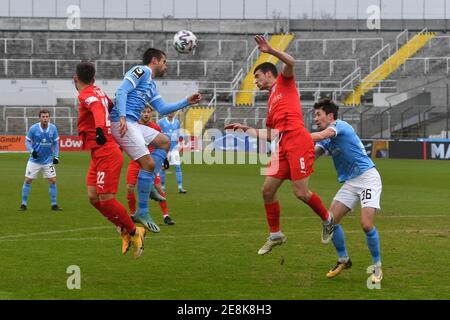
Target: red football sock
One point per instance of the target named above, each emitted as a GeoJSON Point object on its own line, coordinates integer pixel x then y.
{"type": "Point", "coordinates": [273, 216]}
{"type": "Point", "coordinates": [317, 205]}
{"type": "Point", "coordinates": [163, 204]}
{"type": "Point", "coordinates": [131, 202]}
{"type": "Point", "coordinates": [117, 214]}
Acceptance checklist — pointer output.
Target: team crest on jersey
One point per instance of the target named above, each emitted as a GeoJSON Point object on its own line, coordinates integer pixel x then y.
{"type": "Point", "coordinates": [138, 72]}
{"type": "Point", "coordinates": [89, 100]}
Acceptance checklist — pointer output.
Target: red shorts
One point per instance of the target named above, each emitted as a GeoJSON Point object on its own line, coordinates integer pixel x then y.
{"type": "Point", "coordinates": [295, 157]}
{"type": "Point", "coordinates": [133, 172]}
{"type": "Point", "coordinates": [105, 167]}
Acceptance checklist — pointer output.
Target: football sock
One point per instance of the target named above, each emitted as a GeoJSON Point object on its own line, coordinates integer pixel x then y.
{"type": "Point", "coordinates": [339, 241]}
{"type": "Point", "coordinates": [117, 214]}
{"type": "Point", "coordinates": [317, 205]}
{"type": "Point", "coordinates": [275, 235]}
{"type": "Point", "coordinates": [162, 175]}
{"type": "Point", "coordinates": [52, 190]}
{"type": "Point", "coordinates": [273, 216]}
{"type": "Point", "coordinates": [158, 156]}
{"type": "Point", "coordinates": [144, 183]}
{"type": "Point", "coordinates": [131, 199]}
{"type": "Point", "coordinates": [163, 205]}
{"type": "Point", "coordinates": [373, 243]}
{"type": "Point", "coordinates": [25, 192]}
{"type": "Point", "coordinates": [179, 175]}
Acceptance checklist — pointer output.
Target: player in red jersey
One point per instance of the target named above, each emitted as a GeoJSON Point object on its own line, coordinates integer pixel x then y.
{"type": "Point", "coordinates": [295, 155]}
{"type": "Point", "coordinates": [133, 172]}
{"type": "Point", "coordinates": [106, 158]}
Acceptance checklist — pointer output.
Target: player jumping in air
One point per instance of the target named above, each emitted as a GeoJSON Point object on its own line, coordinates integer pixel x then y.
{"type": "Point", "coordinates": [138, 89]}
{"type": "Point", "coordinates": [171, 127]}
{"type": "Point", "coordinates": [42, 142]}
{"type": "Point", "coordinates": [361, 179]}
{"type": "Point", "coordinates": [133, 171]}
{"type": "Point", "coordinates": [295, 156]}
{"type": "Point", "coordinates": [106, 158]}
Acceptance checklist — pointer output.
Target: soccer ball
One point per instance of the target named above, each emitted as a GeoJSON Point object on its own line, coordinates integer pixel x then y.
{"type": "Point", "coordinates": [184, 41]}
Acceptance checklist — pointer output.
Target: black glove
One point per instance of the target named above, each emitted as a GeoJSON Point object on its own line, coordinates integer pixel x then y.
{"type": "Point", "coordinates": [166, 164]}
{"type": "Point", "coordinates": [55, 160]}
{"type": "Point", "coordinates": [34, 154]}
{"type": "Point", "coordinates": [100, 136]}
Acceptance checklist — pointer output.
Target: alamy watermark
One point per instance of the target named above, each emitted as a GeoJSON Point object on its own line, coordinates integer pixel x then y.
{"type": "Point", "coordinates": [74, 280]}
{"type": "Point", "coordinates": [73, 21]}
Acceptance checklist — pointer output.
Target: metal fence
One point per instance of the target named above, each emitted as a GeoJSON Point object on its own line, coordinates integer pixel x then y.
{"type": "Point", "coordinates": [229, 9]}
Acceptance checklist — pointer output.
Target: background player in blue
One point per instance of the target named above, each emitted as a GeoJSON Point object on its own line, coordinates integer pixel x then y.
{"type": "Point", "coordinates": [137, 90]}
{"type": "Point", "coordinates": [42, 143]}
{"type": "Point", "coordinates": [361, 182]}
{"type": "Point", "coordinates": [171, 127]}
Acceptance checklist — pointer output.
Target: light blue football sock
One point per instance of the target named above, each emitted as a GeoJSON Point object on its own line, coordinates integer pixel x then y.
{"type": "Point", "coordinates": [373, 243]}
{"type": "Point", "coordinates": [339, 241]}
{"type": "Point", "coordinates": [158, 156]}
{"type": "Point", "coordinates": [25, 192]}
{"type": "Point", "coordinates": [179, 175]}
{"type": "Point", "coordinates": [52, 191]}
{"type": "Point", "coordinates": [144, 184]}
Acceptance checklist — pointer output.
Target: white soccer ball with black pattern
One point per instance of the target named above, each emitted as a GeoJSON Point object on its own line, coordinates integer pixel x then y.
{"type": "Point", "coordinates": [184, 41]}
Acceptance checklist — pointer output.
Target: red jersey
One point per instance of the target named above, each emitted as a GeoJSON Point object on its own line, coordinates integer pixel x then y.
{"type": "Point", "coordinates": [284, 107]}
{"type": "Point", "coordinates": [93, 112]}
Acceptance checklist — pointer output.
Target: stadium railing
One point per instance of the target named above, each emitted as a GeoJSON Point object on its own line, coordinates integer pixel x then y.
{"type": "Point", "coordinates": [28, 121]}
{"type": "Point", "coordinates": [324, 42]}
{"type": "Point", "coordinates": [220, 42]}
{"type": "Point", "coordinates": [5, 41]}
{"type": "Point", "coordinates": [99, 41]}
{"type": "Point", "coordinates": [203, 65]}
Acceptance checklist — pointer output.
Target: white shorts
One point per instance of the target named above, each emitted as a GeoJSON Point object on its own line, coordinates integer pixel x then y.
{"type": "Point", "coordinates": [174, 157]}
{"type": "Point", "coordinates": [32, 170]}
{"type": "Point", "coordinates": [366, 188]}
{"type": "Point", "coordinates": [136, 140]}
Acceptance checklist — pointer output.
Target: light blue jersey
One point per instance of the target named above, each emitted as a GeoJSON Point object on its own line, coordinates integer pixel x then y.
{"type": "Point", "coordinates": [44, 142]}
{"type": "Point", "coordinates": [171, 129]}
{"type": "Point", "coordinates": [144, 92]}
{"type": "Point", "coordinates": [349, 155]}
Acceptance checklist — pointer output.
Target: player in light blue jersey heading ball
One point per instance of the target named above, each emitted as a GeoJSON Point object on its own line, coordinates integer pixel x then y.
{"type": "Point", "coordinates": [361, 183]}
{"type": "Point", "coordinates": [136, 91]}
{"type": "Point", "coordinates": [42, 142]}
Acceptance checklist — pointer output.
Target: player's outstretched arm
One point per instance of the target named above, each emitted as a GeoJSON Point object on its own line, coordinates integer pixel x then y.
{"type": "Point", "coordinates": [164, 108]}
{"type": "Point", "coordinates": [253, 132]}
{"type": "Point", "coordinates": [287, 59]}
{"type": "Point", "coordinates": [324, 134]}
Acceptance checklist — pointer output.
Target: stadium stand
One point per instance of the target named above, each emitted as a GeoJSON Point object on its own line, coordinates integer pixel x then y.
{"type": "Point", "coordinates": [328, 63]}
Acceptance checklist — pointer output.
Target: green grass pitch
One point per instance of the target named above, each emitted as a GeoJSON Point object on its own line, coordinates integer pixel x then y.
{"type": "Point", "coordinates": [220, 224]}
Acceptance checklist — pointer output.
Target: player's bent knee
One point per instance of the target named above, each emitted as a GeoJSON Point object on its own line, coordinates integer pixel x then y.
{"type": "Point", "coordinates": [303, 195]}
{"type": "Point", "coordinates": [367, 226]}
{"type": "Point", "coordinates": [268, 195]}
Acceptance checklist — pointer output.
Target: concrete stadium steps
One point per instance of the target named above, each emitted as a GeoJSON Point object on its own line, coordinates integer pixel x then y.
{"type": "Point", "coordinates": [195, 119]}
{"type": "Point", "coordinates": [389, 66]}
{"type": "Point", "coordinates": [278, 41]}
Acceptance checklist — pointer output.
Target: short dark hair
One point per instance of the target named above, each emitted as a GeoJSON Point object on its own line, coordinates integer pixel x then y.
{"type": "Point", "coordinates": [267, 67]}
{"type": "Point", "coordinates": [44, 111]}
{"type": "Point", "coordinates": [85, 72]}
{"type": "Point", "coordinates": [327, 105]}
{"type": "Point", "coordinates": [151, 53]}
